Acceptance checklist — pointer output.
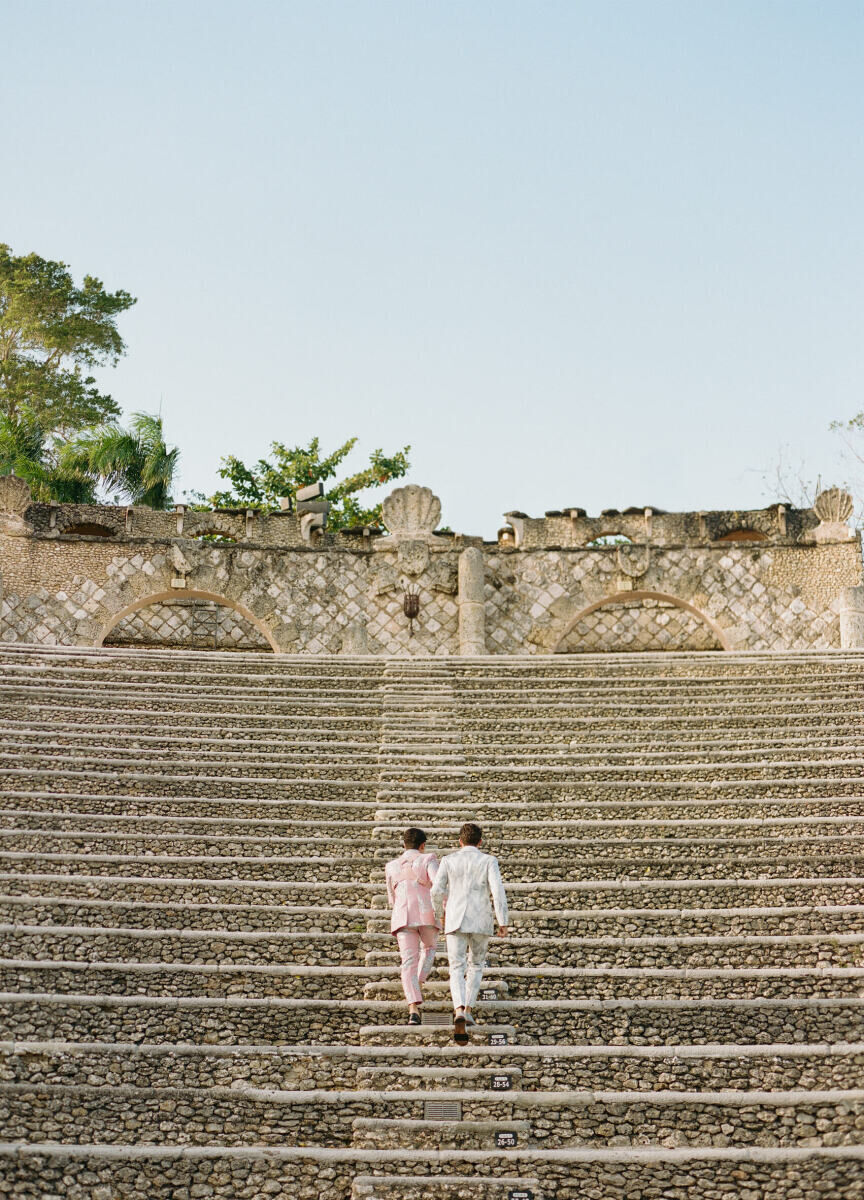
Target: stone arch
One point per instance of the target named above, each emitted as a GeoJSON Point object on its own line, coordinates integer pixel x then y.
{"type": "Point", "coordinates": [174, 594]}
{"type": "Point", "coordinates": [620, 598]}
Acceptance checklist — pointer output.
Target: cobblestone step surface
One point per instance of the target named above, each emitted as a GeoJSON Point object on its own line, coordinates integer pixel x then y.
{"type": "Point", "coordinates": [838, 863]}
{"type": "Point", "coordinates": [324, 812]}
{"type": "Point", "coordinates": [535, 1068]}
{"type": "Point", "coordinates": [546, 897]}
{"type": "Point", "coordinates": [201, 994]}
{"type": "Point", "coordinates": [549, 957]}
{"type": "Point", "coordinates": [549, 926]}
{"type": "Point", "coordinates": [717, 839]}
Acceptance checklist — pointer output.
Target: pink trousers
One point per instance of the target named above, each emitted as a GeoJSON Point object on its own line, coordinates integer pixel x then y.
{"type": "Point", "coordinates": [417, 950]}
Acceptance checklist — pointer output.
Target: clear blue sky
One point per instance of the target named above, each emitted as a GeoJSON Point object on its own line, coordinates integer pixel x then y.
{"type": "Point", "coordinates": [593, 254]}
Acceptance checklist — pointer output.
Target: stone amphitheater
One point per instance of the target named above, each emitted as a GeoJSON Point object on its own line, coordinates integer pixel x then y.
{"type": "Point", "coordinates": [200, 994]}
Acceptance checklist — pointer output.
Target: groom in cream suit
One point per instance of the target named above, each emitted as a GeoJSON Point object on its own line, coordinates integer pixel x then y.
{"type": "Point", "coordinates": [470, 883]}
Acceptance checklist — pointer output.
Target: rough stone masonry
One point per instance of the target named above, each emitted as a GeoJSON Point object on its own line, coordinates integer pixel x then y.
{"type": "Point", "coordinates": [640, 579]}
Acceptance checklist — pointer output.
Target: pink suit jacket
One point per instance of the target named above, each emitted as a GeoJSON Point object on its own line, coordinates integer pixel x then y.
{"type": "Point", "coordinates": [409, 884]}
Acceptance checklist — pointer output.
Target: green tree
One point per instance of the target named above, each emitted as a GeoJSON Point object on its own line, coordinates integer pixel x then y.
{"type": "Point", "coordinates": [51, 333]}
{"type": "Point", "coordinates": [134, 461]}
{"type": "Point", "coordinates": [28, 452]}
{"type": "Point", "coordinates": [22, 446]}
{"type": "Point", "coordinates": [265, 483]}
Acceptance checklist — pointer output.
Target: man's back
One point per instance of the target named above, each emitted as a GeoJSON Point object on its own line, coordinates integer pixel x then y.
{"type": "Point", "coordinates": [470, 880]}
{"type": "Point", "coordinates": [409, 879]}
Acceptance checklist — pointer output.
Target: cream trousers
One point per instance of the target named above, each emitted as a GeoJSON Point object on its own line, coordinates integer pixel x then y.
{"type": "Point", "coordinates": [467, 955]}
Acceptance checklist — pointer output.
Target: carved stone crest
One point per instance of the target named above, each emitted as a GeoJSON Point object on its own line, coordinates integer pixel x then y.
{"type": "Point", "coordinates": [413, 556]}
{"type": "Point", "coordinates": [14, 495]}
{"type": "Point", "coordinates": [182, 567]}
{"type": "Point", "coordinates": [634, 561]}
{"type": "Point", "coordinates": [384, 579]}
{"type": "Point", "coordinates": [445, 577]}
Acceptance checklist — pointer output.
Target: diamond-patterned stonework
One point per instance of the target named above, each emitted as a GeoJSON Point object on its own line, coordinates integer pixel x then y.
{"type": "Point", "coordinates": [758, 598]}
{"type": "Point", "coordinates": [631, 625]}
{"type": "Point", "coordinates": [189, 625]}
{"type": "Point", "coordinates": [305, 600]}
{"type": "Point", "coordinates": [301, 598]}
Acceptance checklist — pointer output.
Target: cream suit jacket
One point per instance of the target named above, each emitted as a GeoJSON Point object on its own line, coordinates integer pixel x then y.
{"type": "Point", "coordinates": [470, 882]}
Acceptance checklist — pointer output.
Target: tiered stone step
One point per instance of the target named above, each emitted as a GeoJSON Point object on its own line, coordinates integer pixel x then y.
{"type": "Point", "coordinates": [148, 1171]}
{"type": "Point", "coordinates": [431, 1062]}
{"type": "Point", "coordinates": [198, 975]}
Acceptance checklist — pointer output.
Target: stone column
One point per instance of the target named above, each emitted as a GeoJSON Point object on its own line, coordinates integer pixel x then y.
{"type": "Point", "coordinates": [355, 639]}
{"type": "Point", "coordinates": [852, 618]}
{"type": "Point", "coordinates": [472, 607]}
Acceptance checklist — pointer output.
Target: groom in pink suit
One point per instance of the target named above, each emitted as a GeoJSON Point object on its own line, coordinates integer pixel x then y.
{"type": "Point", "coordinates": [413, 923]}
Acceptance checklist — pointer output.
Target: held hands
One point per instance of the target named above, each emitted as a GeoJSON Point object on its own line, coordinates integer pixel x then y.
{"type": "Point", "coordinates": [502, 930]}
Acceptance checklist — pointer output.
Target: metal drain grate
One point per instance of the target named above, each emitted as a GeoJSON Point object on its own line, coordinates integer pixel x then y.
{"type": "Point", "coordinates": [442, 1110]}
{"type": "Point", "coordinates": [436, 1018]}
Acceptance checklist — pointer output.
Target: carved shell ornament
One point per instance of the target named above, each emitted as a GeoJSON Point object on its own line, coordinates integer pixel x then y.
{"type": "Point", "coordinates": [411, 510]}
{"type": "Point", "coordinates": [834, 505]}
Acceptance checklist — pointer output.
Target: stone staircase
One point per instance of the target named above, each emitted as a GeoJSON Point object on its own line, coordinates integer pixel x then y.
{"type": "Point", "coordinates": [200, 995]}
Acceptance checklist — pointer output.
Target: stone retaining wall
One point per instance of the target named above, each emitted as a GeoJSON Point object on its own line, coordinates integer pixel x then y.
{"type": "Point", "coordinates": [569, 1069]}
{"type": "Point", "coordinates": [78, 575]}
{"type": "Point", "coordinates": [182, 1115]}
{"type": "Point", "coordinates": [249, 1175]}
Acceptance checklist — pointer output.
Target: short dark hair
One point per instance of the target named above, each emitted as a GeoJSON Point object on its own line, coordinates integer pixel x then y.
{"type": "Point", "coordinates": [413, 839]}
{"type": "Point", "coordinates": [470, 834]}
